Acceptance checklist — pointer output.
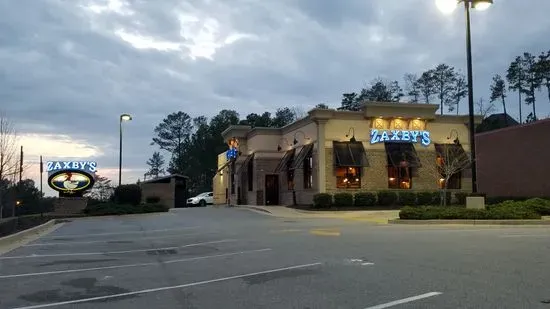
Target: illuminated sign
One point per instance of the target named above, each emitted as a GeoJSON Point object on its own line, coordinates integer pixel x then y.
{"type": "Point", "coordinates": [412, 136]}
{"type": "Point", "coordinates": [233, 150]}
{"type": "Point", "coordinates": [86, 166]}
{"type": "Point", "coordinates": [71, 178]}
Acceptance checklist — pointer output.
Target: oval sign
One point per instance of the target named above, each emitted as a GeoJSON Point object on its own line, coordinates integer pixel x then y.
{"type": "Point", "coordinates": [70, 181]}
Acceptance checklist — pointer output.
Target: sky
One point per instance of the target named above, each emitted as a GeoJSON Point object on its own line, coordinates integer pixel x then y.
{"type": "Point", "coordinates": [69, 68]}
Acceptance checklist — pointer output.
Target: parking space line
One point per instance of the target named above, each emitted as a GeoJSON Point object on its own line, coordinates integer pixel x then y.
{"type": "Point", "coordinates": [111, 240]}
{"type": "Point", "coordinates": [524, 235]}
{"type": "Point", "coordinates": [123, 233]}
{"type": "Point", "coordinates": [181, 286]}
{"type": "Point", "coordinates": [405, 300]}
{"type": "Point", "coordinates": [112, 252]}
{"type": "Point", "coordinates": [133, 265]}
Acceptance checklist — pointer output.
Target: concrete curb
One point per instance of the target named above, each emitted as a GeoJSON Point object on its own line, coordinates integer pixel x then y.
{"type": "Point", "coordinates": [253, 208]}
{"type": "Point", "coordinates": [471, 222]}
{"type": "Point", "coordinates": [19, 236]}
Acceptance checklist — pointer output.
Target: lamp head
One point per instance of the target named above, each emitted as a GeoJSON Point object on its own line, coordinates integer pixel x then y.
{"type": "Point", "coordinates": [446, 6]}
{"type": "Point", "coordinates": [125, 117]}
{"type": "Point", "coordinates": [279, 148]}
{"type": "Point", "coordinates": [481, 5]}
{"type": "Point", "coordinates": [352, 139]}
{"type": "Point", "coordinates": [295, 141]}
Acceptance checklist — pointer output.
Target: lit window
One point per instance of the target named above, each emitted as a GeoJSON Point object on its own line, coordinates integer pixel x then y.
{"type": "Point", "coordinates": [308, 171]}
{"type": "Point", "coordinates": [348, 177]}
{"type": "Point", "coordinates": [399, 177]}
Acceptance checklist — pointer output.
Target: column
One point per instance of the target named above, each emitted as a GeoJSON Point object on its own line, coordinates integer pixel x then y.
{"type": "Point", "coordinates": [321, 156]}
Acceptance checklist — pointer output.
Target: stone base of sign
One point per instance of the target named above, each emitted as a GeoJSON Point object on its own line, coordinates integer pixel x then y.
{"type": "Point", "coordinates": [475, 202]}
{"type": "Point", "coordinates": [70, 205]}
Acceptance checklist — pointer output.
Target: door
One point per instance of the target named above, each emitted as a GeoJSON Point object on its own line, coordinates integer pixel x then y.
{"type": "Point", "coordinates": [272, 189]}
{"type": "Point", "coordinates": [180, 194]}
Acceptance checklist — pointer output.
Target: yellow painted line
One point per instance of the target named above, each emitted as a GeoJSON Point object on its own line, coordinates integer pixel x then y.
{"type": "Point", "coordinates": [375, 220]}
{"type": "Point", "coordinates": [286, 231]}
{"type": "Point", "coordinates": [325, 232]}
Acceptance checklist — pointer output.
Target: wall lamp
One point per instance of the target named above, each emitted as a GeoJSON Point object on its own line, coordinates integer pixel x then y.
{"type": "Point", "coordinates": [456, 140]}
{"type": "Point", "coordinates": [279, 146]}
{"type": "Point", "coordinates": [352, 139]}
{"type": "Point", "coordinates": [295, 140]}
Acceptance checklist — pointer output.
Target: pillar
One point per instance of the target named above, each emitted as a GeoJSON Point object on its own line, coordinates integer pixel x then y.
{"type": "Point", "coordinates": [321, 156]}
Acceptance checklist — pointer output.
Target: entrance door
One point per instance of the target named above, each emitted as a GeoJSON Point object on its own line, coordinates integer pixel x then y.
{"type": "Point", "coordinates": [271, 189]}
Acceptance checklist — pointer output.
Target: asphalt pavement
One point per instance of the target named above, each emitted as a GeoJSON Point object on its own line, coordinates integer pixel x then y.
{"type": "Point", "coordinates": [211, 258]}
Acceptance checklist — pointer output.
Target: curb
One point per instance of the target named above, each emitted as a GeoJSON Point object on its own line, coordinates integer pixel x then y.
{"type": "Point", "coordinates": [8, 240]}
{"type": "Point", "coordinates": [253, 208]}
{"type": "Point", "coordinates": [471, 222]}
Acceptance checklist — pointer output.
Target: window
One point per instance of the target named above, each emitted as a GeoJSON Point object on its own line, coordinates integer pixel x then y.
{"type": "Point", "coordinates": [250, 174]}
{"type": "Point", "coordinates": [399, 177]}
{"type": "Point", "coordinates": [290, 179]}
{"type": "Point", "coordinates": [348, 177]}
{"type": "Point", "coordinates": [308, 168]}
{"type": "Point", "coordinates": [453, 183]}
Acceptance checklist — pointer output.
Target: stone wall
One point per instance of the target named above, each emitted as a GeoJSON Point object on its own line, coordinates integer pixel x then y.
{"type": "Point", "coordinates": [70, 205]}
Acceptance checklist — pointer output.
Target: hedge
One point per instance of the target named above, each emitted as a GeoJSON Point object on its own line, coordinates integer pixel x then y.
{"type": "Point", "coordinates": [343, 199]}
{"type": "Point", "coordinates": [437, 212]}
{"type": "Point", "coordinates": [538, 205]}
{"type": "Point", "coordinates": [387, 198]}
{"type": "Point", "coordinates": [122, 209]}
{"type": "Point", "coordinates": [407, 198]}
{"type": "Point", "coordinates": [128, 194]}
{"type": "Point", "coordinates": [322, 200]}
{"type": "Point", "coordinates": [365, 199]}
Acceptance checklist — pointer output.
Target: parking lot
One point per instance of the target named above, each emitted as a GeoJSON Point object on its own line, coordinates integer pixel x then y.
{"type": "Point", "coordinates": [232, 258]}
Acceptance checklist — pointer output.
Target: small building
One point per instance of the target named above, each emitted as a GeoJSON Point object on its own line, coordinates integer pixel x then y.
{"type": "Point", "coordinates": [386, 146]}
{"type": "Point", "coordinates": [511, 161]}
{"type": "Point", "coordinates": [171, 189]}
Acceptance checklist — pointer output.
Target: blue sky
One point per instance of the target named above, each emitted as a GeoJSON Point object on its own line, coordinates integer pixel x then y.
{"type": "Point", "coordinates": [69, 68]}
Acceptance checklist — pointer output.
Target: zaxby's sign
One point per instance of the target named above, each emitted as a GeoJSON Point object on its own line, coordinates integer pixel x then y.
{"type": "Point", "coordinates": [411, 136]}
{"type": "Point", "coordinates": [71, 178]}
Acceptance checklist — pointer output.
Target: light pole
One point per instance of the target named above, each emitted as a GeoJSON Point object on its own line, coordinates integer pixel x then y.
{"type": "Point", "coordinates": [123, 117]}
{"type": "Point", "coordinates": [447, 7]}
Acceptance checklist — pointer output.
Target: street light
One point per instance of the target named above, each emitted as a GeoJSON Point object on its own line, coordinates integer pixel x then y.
{"type": "Point", "coordinates": [447, 7]}
{"type": "Point", "coordinates": [123, 117]}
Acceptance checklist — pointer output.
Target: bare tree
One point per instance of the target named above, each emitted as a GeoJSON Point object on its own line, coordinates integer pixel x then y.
{"type": "Point", "coordinates": [102, 189]}
{"type": "Point", "coordinates": [298, 112]}
{"type": "Point", "coordinates": [484, 109]}
{"type": "Point", "coordinates": [451, 160]}
{"type": "Point", "coordinates": [412, 87]}
{"type": "Point", "coordinates": [8, 157]}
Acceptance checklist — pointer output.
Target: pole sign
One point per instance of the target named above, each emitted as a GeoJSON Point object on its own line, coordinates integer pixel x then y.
{"type": "Point", "coordinates": [71, 178]}
{"type": "Point", "coordinates": [411, 136]}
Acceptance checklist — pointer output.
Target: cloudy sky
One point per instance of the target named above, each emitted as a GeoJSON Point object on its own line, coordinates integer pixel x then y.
{"type": "Point", "coordinates": [68, 68]}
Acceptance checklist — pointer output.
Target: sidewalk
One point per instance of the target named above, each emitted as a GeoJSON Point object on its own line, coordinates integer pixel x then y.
{"type": "Point", "coordinates": [376, 216]}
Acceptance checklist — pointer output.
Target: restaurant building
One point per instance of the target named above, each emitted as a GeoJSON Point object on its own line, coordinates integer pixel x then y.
{"type": "Point", "coordinates": [386, 146]}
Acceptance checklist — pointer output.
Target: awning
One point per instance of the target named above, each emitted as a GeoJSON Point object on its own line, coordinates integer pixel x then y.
{"type": "Point", "coordinates": [299, 160]}
{"type": "Point", "coordinates": [349, 154]}
{"type": "Point", "coordinates": [286, 161]}
{"type": "Point", "coordinates": [401, 155]}
{"type": "Point", "coordinates": [453, 154]}
{"type": "Point", "coordinates": [245, 163]}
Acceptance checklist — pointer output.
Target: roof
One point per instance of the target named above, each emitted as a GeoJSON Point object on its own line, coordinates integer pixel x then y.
{"type": "Point", "coordinates": [541, 123]}
{"type": "Point", "coordinates": [158, 179]}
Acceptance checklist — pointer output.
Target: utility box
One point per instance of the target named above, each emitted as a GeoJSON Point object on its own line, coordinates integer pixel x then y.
{"type": "Point", "coordinates": [475, 202]}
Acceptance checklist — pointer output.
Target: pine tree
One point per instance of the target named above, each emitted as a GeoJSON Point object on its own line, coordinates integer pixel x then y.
{"type": "Point", "coordinates": [498, 91]}
{"type": "Point", "coordinates": [156, 165]}
{"type": "Point", "coordinates": [517, 81]}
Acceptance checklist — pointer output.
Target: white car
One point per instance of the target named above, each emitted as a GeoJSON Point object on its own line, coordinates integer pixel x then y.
{"type": "Point", "coordinates": [203, 199]}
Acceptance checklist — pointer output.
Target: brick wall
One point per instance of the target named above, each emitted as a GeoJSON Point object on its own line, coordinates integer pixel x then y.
{"type": "Point", "coordinates": [165, 191]}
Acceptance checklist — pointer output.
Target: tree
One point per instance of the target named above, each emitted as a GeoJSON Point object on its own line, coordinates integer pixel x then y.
{"type": "Point", "coordinates": [517, 80]}
{"type": "Point", "coordinates": [459, 91]}
{"type": "Point", "coordinates": [531, 118]}
{"type": "Point", "coordinates": [533, 81]}
{"type": "Point", "coordinates": [426, 85]}
{"type": "Point", "coordinates": [484, 109]}
{"type": "Point", "coordinates": [381, 90]}
{"type": "Point", "coordinates": [8, 157]}
{"type": "Point", "coordinates": [322, 105]}
{"type": "Point", "coordinates": [156, 165]}
{"type": "Point", "coordinates": [283, 117]}
{"type": "Point", "coordinates": [173, 132]}
{"type": "Point", "coordinates": [451, 160]}
{"type": "Point", "coordinates": [298, 112]}
{"type": "Point", "coordinates": [102, 189]}
{"type": "Point", "coordinates": [543, 69]}
{"type": "Point", "coordinates": [444, 79]}
{"type": "Point", "coordinates": [350, 102]}
{"type": "Point", "coordinates": [255, 120]}
{"type": "Point", "coordinates": [412, 88]}
{"type": "Point", "coordinates": [498, 91]}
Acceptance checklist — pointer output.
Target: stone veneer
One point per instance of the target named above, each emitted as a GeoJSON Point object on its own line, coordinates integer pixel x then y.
{"type": "Point", "coordinates": [70, 205]}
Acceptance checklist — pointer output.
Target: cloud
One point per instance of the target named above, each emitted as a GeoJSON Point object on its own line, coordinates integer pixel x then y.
{"type": "Point", "coordinates": [70, 68]}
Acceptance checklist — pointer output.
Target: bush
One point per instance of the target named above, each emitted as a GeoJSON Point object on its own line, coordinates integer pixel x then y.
{"type": "Point", "coordinates": [104, 209]}
{"type": "Point", "coordinates": [537, 205]}
{"type": "Point", "coordinates": [461, 198]}
{"type": "Point", "coordinates": [424, 198]}
{"type": "Point", "coordinates": [491, 200]}
{"type": "Point", "coordinates": [407, 198]}
{"type": "Point", "coordinates": [343, 199]}
{"type": "Point", "coordinates": [437, 212]}
{"type": "Point", "coordinates": [152, 199]}
{"type": "Point", "coordinates": [322, 200]}
{"type": "Point", "coordinates": [365, 199]}
{"type": "Point", "coordinates": [128, 194]}
{"type": "Point", "coordinates": [387, 198]}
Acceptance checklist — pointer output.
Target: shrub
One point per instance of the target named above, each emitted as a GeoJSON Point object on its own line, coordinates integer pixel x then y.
{"type": "Point", "coordinates": [436, 212]}
{"type": "Point", "coordinates": [387, 198]}
{"type": "Point", "coordinates": [365, 199]}
{"type": "Point", "coordinates": [128, 194]}
{"type": "Point", "coordinates": [539, 205]}
{"type": "Point", "coordinates": [491, 200]}
{"type": "Point", "coordinates": [152, 199]}
{"type": "Point", "coordinates": [322, 200]}
{"type": "Point", "coordinates": [343, 199]}
{"type": "Point", "coordinates": [407, 198]}
{"type": "Point", "coordinates": [424, 198]}
{"type": "Point", "coordinates": [461, 198]}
